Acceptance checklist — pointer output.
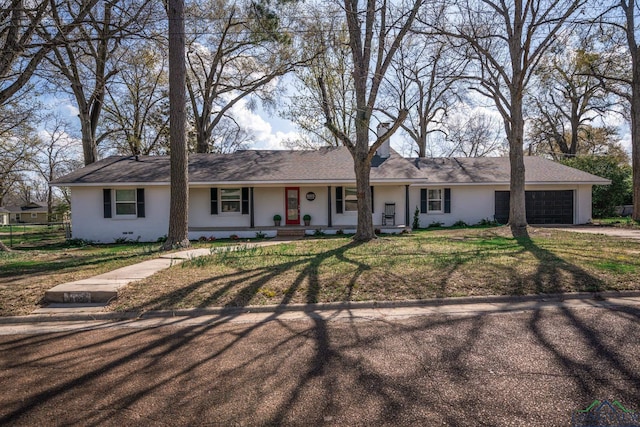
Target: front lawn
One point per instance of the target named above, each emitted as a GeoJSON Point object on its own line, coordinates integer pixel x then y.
{"type": "Point", "coordinates": [42, 258]}
{"type": "Point", "coordinates": [425, 264]}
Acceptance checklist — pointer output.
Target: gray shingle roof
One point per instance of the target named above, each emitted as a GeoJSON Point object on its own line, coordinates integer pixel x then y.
{"type": "Point", "coordinates": [326, 164]}
{"type": "Point", "coordinates": [332, 164]}
{"type": "Point", "coordinates": [30, 207]}
{"type": "Point", "coordinates": [481, 170]}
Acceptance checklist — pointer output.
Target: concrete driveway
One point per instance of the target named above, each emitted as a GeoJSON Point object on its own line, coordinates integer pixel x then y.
{"type": "Point", "coordinates": [531, 368]}
{"type": "Point", "coordinates": [625, 233]}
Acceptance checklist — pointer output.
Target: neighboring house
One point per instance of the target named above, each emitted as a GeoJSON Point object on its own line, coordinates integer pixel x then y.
{"type": "Point", "coordinates": [240, 193]}
{"type": "Point", "coordinates": [30, 213]}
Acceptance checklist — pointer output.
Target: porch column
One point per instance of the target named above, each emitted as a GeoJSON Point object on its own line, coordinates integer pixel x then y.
{"type": "Point", "coordinates": [406, 206]}
{"type": "Point", "coordinates": [251, 217]}
{"type": "Point", "coordinates": [329, 205]}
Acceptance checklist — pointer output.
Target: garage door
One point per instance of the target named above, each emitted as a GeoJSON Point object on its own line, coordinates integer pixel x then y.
{"type": "Point", "coordinates": [543, 207]}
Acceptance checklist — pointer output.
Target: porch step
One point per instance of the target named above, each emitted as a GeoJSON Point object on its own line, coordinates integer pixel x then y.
{"type": "Point", "coordinates": [290, 232]}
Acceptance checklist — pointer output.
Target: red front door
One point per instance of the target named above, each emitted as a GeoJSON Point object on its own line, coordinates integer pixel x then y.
{"type": "Point", "coordinates": [292, 205]}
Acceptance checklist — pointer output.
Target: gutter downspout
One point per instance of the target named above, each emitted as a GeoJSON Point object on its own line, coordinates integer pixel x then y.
{"type": "Point", "coordinates": [329, 205]}
{"type": "Point", "coordinates": [406, 206]}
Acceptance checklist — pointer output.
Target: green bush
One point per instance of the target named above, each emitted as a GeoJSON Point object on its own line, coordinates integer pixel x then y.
{"type": "Point", "coordinates": [606, 197]}
{"type": "Point", "coordinates": [416, 219]}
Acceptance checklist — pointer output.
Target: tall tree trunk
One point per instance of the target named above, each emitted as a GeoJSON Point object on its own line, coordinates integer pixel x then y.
{"type": "Point", "coordinates": [635, 137]}
{"type": "Point", "coordinates": [178, 235]}
{"type": "Point", "coordinates": [517, 208]}
{"type": "Point", "coordinates": [89, 146]}
{"type": "Point", "coordinates": [362, 168]}
{"type": "Point", "coordinates": [629, 9]}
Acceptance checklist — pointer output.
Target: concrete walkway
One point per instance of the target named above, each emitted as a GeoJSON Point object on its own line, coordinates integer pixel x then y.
{"type": "Point", "coordinates": [104, 288]}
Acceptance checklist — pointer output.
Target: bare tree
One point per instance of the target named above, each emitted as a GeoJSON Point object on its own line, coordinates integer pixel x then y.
{"type": "Point", "coordinates": [375, 34]}
{"type": "Point", "coordinates": [508, 39]}
{"type": "Point", "coordinates": [325, 33]}
{"type": "Point", "coordinates": [473, 134]}
{"type": "Point", "coordinates": [17, 146]}
{"type": "Point", "coordinates": [239, 54]}
{"type": "Point", "coordinates": [569, 96]}
{"type": "Point", "coordinates": [427, 73]}
{"type": "Point", "coordinates": [88, 60]}
{"type": "Point", "coordinates": [55, 156]}
{"type": "Point", "coordinates": [27, 35]}
{"type": "Point", "coordinates": [628, 27]}
{"type": "Point", "coordinates": [178, 235]}
{"type": "Point", "coordinates": [136, 112]}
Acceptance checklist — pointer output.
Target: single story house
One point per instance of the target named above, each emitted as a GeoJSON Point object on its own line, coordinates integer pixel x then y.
{"type": "Point", "coordinates": [239, 193]}
{"type": "Point", "coordinates": [29, 213]}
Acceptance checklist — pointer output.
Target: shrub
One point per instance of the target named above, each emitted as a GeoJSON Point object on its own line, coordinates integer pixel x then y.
{"type": "Point", "coordinates": [340, 232]}
{"type": "Point", "coordinates": [416, 219]}
{"type": "Point", "coordinates": [260, 235]}
{"type": "Point", "coordinates": [486, 222]}
{"type": "Point", "coordinates": [436, 224]}
{"type": "Point", "coordinates": [460, 223]}
{"type": "Point", "coordinates": [318, 232]}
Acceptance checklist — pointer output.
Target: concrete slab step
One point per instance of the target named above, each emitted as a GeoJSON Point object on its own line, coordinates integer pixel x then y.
{"type": "Point", "coordinates": [290, 232]}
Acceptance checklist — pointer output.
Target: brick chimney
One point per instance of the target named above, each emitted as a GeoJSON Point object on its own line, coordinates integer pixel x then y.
{"type": "Point", "coordinates": [384, 151]}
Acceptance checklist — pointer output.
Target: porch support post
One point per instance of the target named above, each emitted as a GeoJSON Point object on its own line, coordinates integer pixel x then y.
{"type": "Point", "coordinates": [406, 206]}
{"type": "Point", "coordinates": [251, 216]}
{"type": "Point", "coordinates": [329, 205]}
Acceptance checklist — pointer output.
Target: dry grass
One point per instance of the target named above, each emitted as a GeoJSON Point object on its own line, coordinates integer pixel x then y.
{"type": "Point", "coordinates": [426, 264]}
{"type": "Point", "coordinates": [25, 274]}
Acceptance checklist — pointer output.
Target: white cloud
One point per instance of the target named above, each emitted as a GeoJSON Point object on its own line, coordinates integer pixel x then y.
{"type": "Point", "coordinates": [264, 136]}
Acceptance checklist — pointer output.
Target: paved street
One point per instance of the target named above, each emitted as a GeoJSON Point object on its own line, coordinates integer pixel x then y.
{"type": "Point", "coordinates": [516, 368]}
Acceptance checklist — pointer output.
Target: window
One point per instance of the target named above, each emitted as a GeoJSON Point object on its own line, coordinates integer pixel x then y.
{"type": "Point", "coordinates": [230, 198]}
{"type": "Point", "coordinates": [434, 200]}
{"type": "Point", "coordinates": [125, 202]}
{"type": "Point", "coordinates": [350, 199]}
{"type": "Point", "coordinates": [34, 215]}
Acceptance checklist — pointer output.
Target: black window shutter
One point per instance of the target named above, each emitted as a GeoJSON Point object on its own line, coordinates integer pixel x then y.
{"type": "Point", "coordinates": [140, 202]}
{"type": "Point", "coordinates": [339, 200]}
{"type": "Point", "coordinates": [447, 200]}
{"type": "Point", "coordinates": [214, 201]}
{"type": "Point", "coordinates": [372, 201]}
{"type": "Point", "coordinates": [106, 198]}
{"type": "Point", "coordinates": [245, 200]}
{"type": "Point", "coordinates": [423, 200]}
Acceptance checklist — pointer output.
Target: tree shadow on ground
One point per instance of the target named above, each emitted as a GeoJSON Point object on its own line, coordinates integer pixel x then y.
{"type": "Point", "coordinates": [529, 368]}
{"type": "Point", "coordinates": [247, 284]}
{"type": "Point", "coordinates": [552, 271]}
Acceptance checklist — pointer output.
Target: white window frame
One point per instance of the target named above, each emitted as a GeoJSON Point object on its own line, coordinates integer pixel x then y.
{"type": "Point", "coordinates": [230, 192]}
{"type": "Point", "coordinates": [350, 199]}
{"type": "Point", "coordinates": [434, 199]}
{"type": "Point", "coordinates": [117, 202]}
